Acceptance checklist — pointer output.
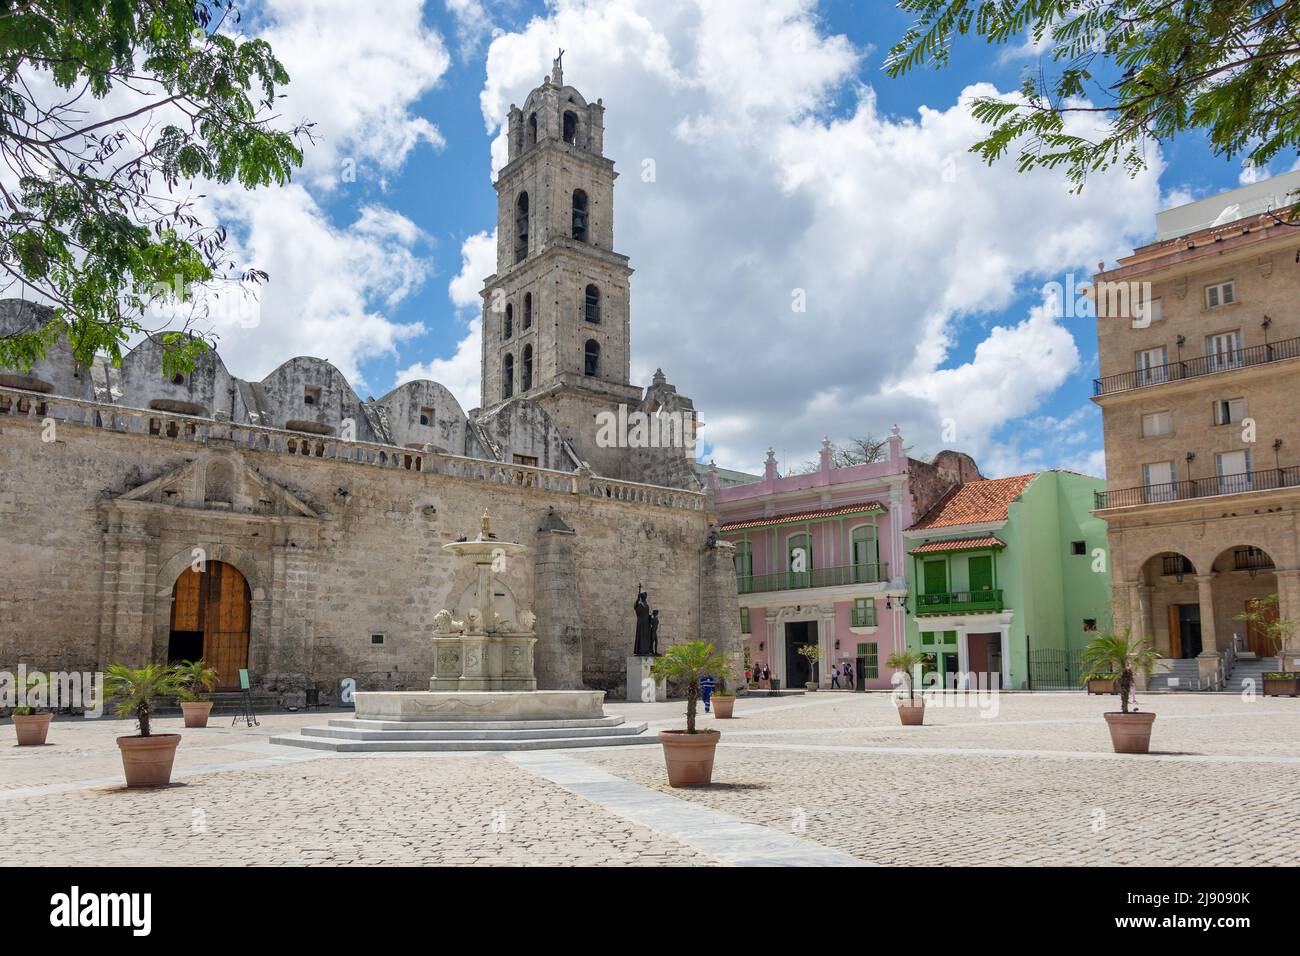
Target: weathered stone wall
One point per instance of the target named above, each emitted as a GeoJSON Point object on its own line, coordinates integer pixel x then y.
{"type": "Point", "coordinates": [98, 523]}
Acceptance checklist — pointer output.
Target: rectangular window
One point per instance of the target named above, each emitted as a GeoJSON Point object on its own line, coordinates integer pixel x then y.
{"type": "Point", "coordinates": [1155, 308]}
{"type": "Point", "coordinates": [376, 638]}
{"type": "Point", "coordinates": [1152, 365]}
{"type": "Point", "coordinates": [927, 637]}
{"type": "Point", "coordinates": [1223, 350]}
{"type": "Point", "coordinates": [1233, 469]}
{"type": "Point", "coordinates": [1078, 547]}
{"type": "Point", "coordinates": [1222, 293]}
{"type": "Point", "coordinates": [1089, 624]}
{"type": "Point", "coordinates": [870, 661]}
{"type": "Point", "coordinates": [311, 395]}
{"type": "Point", "coordinates": [1229, 411]}
{"type": "Point", "coordinates": [1157, 423]}
{"type": "Point", "coordinates": [744, 620]}
{"type": "Point", "coordinates": [529, 460]}
{"type": "Point", "coordinates": [426, 415]}
{"type": "Point", "coordinates": [864, 612]}
{"type": "Point", "coordinates": [979, 572]}
{"type": "Point", "coordinates": [1158, 479]}
{"type": "Point", "coordinates": [936, 577]}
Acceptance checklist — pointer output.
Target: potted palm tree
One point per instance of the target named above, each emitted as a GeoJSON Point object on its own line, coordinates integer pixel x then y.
{"type": "Point", "coordinates": [724, 698]}
{"type": "Point", "coordinates": [911, 709]}
{"type": "Point", "coordinates": [146, 757]}
{"type": "Point", "coordinates": [688, 754]}
{"type": "Point", "coordinates": [31, 725]}
{"type": "Point", "coordinates": [814, 654]}
{"type": "Point", "coordinates": [1263, 616]}
{"type": "Point", "coordinates": [194, 681]}
{"type": "Point", "coordinates": [1123, 657]}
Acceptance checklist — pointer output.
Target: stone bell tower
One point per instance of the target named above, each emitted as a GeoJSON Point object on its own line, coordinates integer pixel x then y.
{"type": "Point", "coordinates": [555, 313]}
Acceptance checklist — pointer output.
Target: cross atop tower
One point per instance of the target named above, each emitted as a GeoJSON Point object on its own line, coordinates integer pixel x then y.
{"type": "Point", "coordinates": [557, 69]}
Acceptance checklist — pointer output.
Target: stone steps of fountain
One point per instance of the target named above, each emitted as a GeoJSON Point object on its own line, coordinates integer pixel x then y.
{"type": "Point", "coordinates": [610, 720]}
{"type": "Point", "coordinates": [541, 733]}
{"type": "Point", "coordinates": [343, 740]}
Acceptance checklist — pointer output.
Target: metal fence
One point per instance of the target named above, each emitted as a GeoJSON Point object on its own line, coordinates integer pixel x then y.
{"type": "Point", "coordinates": [1052, 669]}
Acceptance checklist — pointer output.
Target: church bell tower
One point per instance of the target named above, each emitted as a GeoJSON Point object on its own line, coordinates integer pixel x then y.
{"type": "Point", "coordinates": [556, 312]}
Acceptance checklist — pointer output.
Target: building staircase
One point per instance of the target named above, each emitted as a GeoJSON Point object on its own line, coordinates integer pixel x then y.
{"type": "Point", "coordinates": [350, 736]}
{"type": "Point", "coordinates": [1171, 674]}
{"type": "Point", "coordinates": [1250, 668]}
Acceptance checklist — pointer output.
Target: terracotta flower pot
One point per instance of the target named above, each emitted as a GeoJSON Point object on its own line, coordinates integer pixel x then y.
{"type": "Point", "coordinates": [911, 712]}
{"type": "Point", "coordinates": [810, 685]}
{"type": "Point", "coordinates": [1101, 685]}
{"type": "Point", "coordinates": [689, 757]}
{"type": "Point", "coordinates": [147, 761]}
{"type": "Point", "coordinates": [32, 728]}
{"type": "Point", "coordinates": [196, 712]}
{"type": "Point", "coordinates": [1130, 733]}
{"type": "Point", "coordinates": [723, 706]}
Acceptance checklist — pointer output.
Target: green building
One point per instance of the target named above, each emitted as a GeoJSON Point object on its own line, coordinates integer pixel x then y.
{"type": "Point", "coordinates": [1010, 576]}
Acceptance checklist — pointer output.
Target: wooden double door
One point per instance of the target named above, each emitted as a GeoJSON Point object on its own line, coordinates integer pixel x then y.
{"type": "Point", "coordinates": [211, 615]}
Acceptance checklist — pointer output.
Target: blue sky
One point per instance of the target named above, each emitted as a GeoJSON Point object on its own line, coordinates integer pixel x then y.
{"type": "Point", "coordinates": [786, 158]}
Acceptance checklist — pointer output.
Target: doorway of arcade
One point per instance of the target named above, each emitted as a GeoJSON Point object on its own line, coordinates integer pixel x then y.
{"type": "Point", "coordinates": [798, 669]}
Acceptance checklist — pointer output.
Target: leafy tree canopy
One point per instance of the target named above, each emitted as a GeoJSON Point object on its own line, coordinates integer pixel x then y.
{"type": "Point", "coordinates": [1139, 69]}
{"type": "Point", "coordinates": [110, 110]}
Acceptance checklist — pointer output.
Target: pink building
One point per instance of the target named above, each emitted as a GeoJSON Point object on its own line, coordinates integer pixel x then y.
{"type": "Point", "coordinates": [820, 558]}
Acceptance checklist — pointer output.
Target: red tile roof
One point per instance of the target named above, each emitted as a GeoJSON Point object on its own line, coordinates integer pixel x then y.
{"type": "Point", "coordinates": [975, 502]}
{"type": "Point", "coordinates": [860, 508]}
{"type": "Point", "coordinates": [959, 544]}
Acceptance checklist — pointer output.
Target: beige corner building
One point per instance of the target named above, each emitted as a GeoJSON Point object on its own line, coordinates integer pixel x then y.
{"type": "Point", "coordinates": [1199, 347]}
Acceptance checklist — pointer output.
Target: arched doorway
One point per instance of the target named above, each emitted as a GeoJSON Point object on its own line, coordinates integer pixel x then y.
{"type": "Point", "coordinates": [1173, 614]}
{"type": "Point", "coordinates": [1244, 578]}
{"type": "Point", "coordinates": [210, 620]}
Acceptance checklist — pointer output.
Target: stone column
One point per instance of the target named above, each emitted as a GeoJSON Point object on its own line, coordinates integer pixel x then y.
{"type": "Point", "coordinates": [1205, 595]}
{"type": "Point", "coordinates": [720, 607]}
{"type": "Point", "coordinates": [125, 631]}
{"type": "Point", "coordinates": [558, 651]}
{"type": "Point", "coordinates": [1288, 609]}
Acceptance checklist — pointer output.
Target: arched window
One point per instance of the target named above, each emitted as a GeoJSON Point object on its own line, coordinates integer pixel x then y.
{"type": "Point", "coordinates": [571, 127]}
{"type": "Point", "coordinates": [591, 308]}
{"type": "Point", "coordinates": [528, 310]}
{"type": "Point", "coordinates": [579, 215]}
{"type": "Point", "coordinates": [508, 376]}
{"type": "Point", "coordinates": [521, 227]}
{"type": "Point", "coordinates": [526, 381]}
{"type": "Point", "coordinates": [866, 555]}
{"type": "Point", "coordinates": [592, 364]}
{"type": "Point", "coordinates": [508, 328]}
{"type": "Point", "coordinates": [532, 129]}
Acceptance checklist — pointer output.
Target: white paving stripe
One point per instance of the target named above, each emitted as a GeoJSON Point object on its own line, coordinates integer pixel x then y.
{"type": "Point", "coordinates": [720, 835]}
{"type": "Point", "coordinates": [997, 752]}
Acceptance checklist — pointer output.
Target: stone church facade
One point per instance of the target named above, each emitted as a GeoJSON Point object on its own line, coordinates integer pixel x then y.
{"type": "Point", "coordinates": [292, 528]}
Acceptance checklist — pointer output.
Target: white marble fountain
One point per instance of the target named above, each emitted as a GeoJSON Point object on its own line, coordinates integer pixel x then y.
{"type": "Point", "coordinates": [483, 693]}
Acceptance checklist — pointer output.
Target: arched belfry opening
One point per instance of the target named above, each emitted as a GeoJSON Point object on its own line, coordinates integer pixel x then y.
{"type": "Point", "coordinates": [210, 620]}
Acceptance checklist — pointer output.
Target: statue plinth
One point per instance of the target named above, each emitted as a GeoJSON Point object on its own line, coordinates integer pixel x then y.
{"type": "Point", "coordinates": [640, 680]}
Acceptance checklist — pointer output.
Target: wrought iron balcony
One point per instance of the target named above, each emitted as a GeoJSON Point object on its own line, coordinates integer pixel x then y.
{"type": "Point", "coordinates": [1194, 488]}
{"type": "Point", "coordinates": [988, 600]}
{"type": "Point", "coordinates": [1194, 367]}
{"type": "Point", "coordinates": [816, 578]}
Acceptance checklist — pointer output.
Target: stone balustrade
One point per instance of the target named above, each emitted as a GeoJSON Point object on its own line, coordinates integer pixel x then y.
{"type": "Point", "coordinates": [177, 427]}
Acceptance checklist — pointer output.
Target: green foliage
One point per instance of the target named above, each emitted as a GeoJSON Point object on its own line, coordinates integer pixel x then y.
{"type": "Point", "coordinates": [1109, 655]}
{"type": "Point", "coordinates": [136, 689]}
{"type": "Point", "coordinates": [99, 223]}
{"type": "Point", "coordinates": [1136, 70]}
{"type": "Point", "coordinates": [194, 679]}
{"type": "Point", "coordinates": [906, 661]}
{"type": "Point", "coordinates": [688, 663]}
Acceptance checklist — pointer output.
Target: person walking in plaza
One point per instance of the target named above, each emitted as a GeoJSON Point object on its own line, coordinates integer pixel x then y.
{"type": "Point", "coordinates": [848, 675]}
{"type": "Point", "coordinates": [835, 677]}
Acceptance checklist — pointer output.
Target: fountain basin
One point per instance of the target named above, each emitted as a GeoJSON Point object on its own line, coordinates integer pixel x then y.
{"type": "Point", "coordinates": [480, 705]}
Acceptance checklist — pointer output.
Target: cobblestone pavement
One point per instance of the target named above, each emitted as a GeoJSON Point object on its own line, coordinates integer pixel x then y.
{"type": "Point", "coordinates": [1037, 784]}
